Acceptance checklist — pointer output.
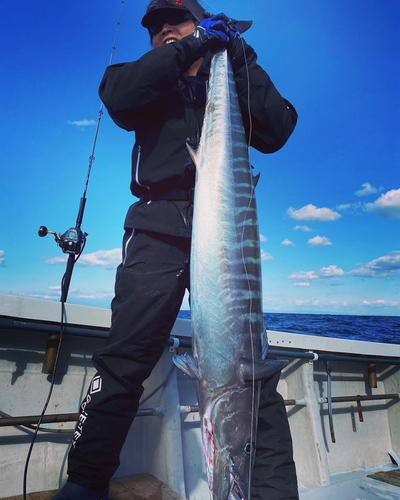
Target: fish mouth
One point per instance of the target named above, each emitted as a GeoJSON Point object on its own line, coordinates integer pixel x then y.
{"type": "Point", "coordinates": [236, 487]}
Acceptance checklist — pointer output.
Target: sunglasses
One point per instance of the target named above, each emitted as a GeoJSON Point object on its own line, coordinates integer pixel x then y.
{"type": "Point", "coordinates": [172, 18]}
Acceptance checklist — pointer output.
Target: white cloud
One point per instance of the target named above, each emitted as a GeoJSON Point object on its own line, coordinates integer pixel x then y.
{"type": "Point", "coordinates": [82, 123]}
{"type": "Point", "coordinates": [387, 205]}
{"type": "Point", "coordinates": [266, 256]}
{"type": "Point", "coordinates": [367, 189]}
{"type": "Point", "coordinates": [319, 241]}
{"type": "Point", "coordinates": [328, 272]}
{"type": "Point", "coordinates": [379, 302]}
{"type": "Point", "coordinates": [109, 259]}
{"type": "Point", "coordinates": [312, 213]}
{"type": "Point", "coordinates": [94, 296]}
{"type": "Point", "coordinates": [57, 260]}
{"type": "Point", "coordinates": [303, 228]}
{"type": "Point", "coordinates": [287, 242]}
{"type": "Point", "coordinates": [2, 258]}
{"type": "Point", "coordinates": [54, 292]}
{"type": "Point", "coordinates": [353, 207]}
{"type": "Point", "coordinates": [263, 238]}
{"type": "Point", "coordinates": [304, 276]}
{"type": "Point", "coordinates": [387, 266]}
{"type": "Point", "coordinates": [307, 302]}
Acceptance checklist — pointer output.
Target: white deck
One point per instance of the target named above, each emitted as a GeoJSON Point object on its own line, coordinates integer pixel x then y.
{"type": "Point", "coordinates": [170, 447]}
{"type": "Point", "coordinates": [353, 486]}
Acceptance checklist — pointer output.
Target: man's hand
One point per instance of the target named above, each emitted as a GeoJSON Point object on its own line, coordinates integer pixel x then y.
{"type": "Point", "coordinates": [217, 32]}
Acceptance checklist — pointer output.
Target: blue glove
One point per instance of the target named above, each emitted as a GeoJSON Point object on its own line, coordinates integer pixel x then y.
{"type": "Point", "coordinates": [217, 32]}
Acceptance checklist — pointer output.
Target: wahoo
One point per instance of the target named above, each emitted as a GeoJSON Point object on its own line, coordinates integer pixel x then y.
{"type": "Point", "coordinates": [228, 333]}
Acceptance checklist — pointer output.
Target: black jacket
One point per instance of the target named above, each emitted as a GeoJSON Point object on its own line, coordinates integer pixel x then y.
{"type": "Point", "coordinates": [152, 97]}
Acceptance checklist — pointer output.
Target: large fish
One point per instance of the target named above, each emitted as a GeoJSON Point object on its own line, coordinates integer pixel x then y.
{"type": "Point", "coordinates": [229, 338]}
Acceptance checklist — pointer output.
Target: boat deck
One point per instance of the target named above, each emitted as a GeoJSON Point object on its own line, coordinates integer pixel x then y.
{"type": "Point", "coordinates": [358, 485]}
{"type": "Point", "coordinates": [365, 485]}
{"type": "Point", "coordinates": [137, 487]}
{"type": "Point", "coordinates": [168, 445]}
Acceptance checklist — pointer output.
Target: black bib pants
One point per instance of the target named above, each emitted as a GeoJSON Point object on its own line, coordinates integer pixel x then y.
{"type": "Point", "coordinates": [149, 289]}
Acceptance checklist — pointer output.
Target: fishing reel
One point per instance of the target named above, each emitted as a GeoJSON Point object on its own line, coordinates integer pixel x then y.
{"type": "Point", "coordinates": [71, 242]}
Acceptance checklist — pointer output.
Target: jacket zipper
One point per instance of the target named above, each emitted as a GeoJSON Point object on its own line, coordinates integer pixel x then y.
{"type": "Point", "coordinates": [137, 169]}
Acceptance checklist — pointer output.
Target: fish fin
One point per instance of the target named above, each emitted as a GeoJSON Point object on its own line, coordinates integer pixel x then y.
{"type": "Point", "coordinates": [188, 364]}
{"type": "Point", "coordinates": [264, 344]}
{"type": "Point", "coordinates": [194, 153]}
{"type": "Point", "coordinates": [256, 178]}
{"type": "Point", "coordinates": [262, 369]}
{"type": "Point", "coordinates": [244, 26]}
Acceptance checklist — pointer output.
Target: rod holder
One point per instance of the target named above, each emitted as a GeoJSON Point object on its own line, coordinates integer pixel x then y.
{"type": "Point", "coordinates": [372, 378]}
{"type": "Point", "coordinates": [330, 411]}
{"type": "Point", "coordinates": [50, 356]}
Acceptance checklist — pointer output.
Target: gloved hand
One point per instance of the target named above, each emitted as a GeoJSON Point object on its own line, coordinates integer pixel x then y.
{"type": "Point", "coordinates": [217, 32]}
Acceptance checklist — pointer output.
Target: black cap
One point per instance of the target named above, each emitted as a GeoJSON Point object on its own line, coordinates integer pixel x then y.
{"type": "Point", "coordinates": [159, 10]}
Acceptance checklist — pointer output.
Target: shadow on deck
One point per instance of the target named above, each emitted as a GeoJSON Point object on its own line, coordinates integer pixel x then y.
{"type": "Point", "coordinates": [137, 487]}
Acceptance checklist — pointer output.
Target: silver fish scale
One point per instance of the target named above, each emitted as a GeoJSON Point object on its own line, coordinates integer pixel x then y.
{"type": "Point", "coordinates": [228, 359]}
{"type": "Point", "coordinates": [227, 320]}
{"type": "Point", "coordinates": [225, 272]}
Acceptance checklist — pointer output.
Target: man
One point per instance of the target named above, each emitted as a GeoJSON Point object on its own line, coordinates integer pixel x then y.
{"type": "Point", "coordinates": [162, 98]}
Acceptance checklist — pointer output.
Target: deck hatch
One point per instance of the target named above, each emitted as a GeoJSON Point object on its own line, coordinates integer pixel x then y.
{"type": "Point", "coordinates": [389, 476]}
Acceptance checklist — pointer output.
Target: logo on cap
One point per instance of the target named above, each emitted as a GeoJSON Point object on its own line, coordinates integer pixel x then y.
{"type": "Point", "coordinates": [179, 2]}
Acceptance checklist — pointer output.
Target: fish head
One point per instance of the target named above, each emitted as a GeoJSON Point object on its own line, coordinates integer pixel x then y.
{"type": "Point", "coordinates": [229, 431]}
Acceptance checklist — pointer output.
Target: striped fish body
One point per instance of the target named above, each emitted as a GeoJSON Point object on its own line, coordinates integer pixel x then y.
{"type": "Point", "coordinates": [227, 322]}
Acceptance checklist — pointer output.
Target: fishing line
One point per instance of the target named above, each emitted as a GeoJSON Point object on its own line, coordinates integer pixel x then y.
{"type": "Point", "coordinates": [210, 6]}
{"type": "Point", "coordinates": [162, 385]}
{"type": "Point", "coordinates": [92, 157]}
{"type": "Point", "coordinates": [248, 95]}
{"type": "Point", "coordinates": [252, 438]}
{"type": "Point", "coordinates": [77, 243]}
{"type": "Point", "coordinates": [48, 396]}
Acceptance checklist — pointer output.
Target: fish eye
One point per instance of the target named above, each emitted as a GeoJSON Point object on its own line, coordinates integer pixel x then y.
{"type": "Point", "coordinates": [249, 448]}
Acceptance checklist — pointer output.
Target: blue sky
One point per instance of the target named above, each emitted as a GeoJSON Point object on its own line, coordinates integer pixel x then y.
{"type": "Point", "coordinates": [329, 201]}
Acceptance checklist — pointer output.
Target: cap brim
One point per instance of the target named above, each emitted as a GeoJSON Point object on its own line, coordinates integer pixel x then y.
{"type": "Point", "coordinates": [153, 15]}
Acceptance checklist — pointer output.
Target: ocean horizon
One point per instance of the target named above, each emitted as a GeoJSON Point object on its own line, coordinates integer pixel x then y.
{"type": "Point", "coordinates": [385, 329]}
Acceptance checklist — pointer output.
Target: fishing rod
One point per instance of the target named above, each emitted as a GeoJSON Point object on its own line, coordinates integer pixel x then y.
{"type": "Point", "coordinates": [72, 242]}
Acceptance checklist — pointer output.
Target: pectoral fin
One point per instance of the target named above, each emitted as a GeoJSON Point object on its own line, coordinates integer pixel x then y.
{"type": "Point", "coordinates": [188, 364]}
{"type": "Point", "coordinates": [260, 370]}
{"type": "Point", "coordinates": [193, 154]}
{"type": "Point", "coordinates": [264, 344]}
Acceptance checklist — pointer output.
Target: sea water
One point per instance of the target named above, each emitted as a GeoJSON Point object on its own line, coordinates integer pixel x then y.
{"type": "Point", "coordinates": [384, 329]}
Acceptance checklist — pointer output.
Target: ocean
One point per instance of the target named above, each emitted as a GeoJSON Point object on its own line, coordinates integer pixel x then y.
{"type": "Point", "coordinates": [384, 329]}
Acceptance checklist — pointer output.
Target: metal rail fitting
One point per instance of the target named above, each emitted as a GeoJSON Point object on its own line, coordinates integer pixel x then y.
{"type": "Point", "coordinates": [158, 411]}
{"type": "Point", "coordinates": [10, 324]}
{"type": "Point", "coordinates": [330, 412]}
